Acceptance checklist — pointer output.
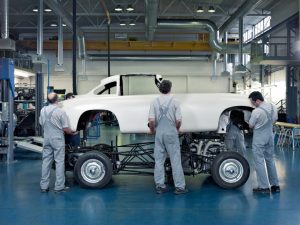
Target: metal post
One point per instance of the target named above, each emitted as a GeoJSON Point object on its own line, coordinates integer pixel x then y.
{"type": "Point", "coordinates": [241, 40]}
{"type": "Point", "coordinates": [74, 49]}
{"type": "Point", "coordinates": [4, 21]}
{"type": "Point", "coordinates": [10, 133]}
{"type": "Point", "coordinates": [39, 101]}
{"type": "Point", "coordinates": [291, 97]}
{"type": "Point", "coordinates": [108, 49]}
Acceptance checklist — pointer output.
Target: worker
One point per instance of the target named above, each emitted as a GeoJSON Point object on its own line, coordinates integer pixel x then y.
{"type": "Point", "coordinates": [164, 122]}
{"type": "Point", "coordinates": [70, 95]}
{"type": "Point", "coordinates": [261, 121]}
{"type": "Point", "coordinates": [55, 123]}
{"type": "Point", "coordinates": [72, 140]}
{"type": "Point", "coordinates": [234, 139]}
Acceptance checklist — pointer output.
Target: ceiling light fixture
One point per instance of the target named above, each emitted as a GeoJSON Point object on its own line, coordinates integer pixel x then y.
{"type": "Point", "coordinates": [200, 9]}
{"type": "Point", "coordinates": [47, 10]}
{"type": "Point", "coordinates": [35, 9]}
{"type": "Point", "coordinates": [211, 9]}
{"type": "Point", "coordinates": [129, 8]}
{"type": "Point", "coordinates": [132, 24]}
{"type": "Point", "coordinates": [53, 25]}
{"type": "Point", "coordinates": [118, 8]}
{"type": "Point", "coordinates": [64, 25]}
{"type": "Point", "coordinates": [122, 24]}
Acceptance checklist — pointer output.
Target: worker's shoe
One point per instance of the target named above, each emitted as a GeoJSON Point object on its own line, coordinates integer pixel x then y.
{"type": "Point", "coordinates": [261, 190]}
{"type": "Point", "coordinates": [275, 188]}
{"type": "Point", "coordinates": [179, 191]}
{"type": "Point", "coordinates": [65, 189]}
{"type": "Point", "coordinates": [161, 190]}
{"type": "Point", "coordinates": [45, 190]}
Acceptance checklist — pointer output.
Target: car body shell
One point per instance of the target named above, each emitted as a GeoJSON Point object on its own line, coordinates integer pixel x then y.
{"type": "Point", "coordinates": [200, 112]}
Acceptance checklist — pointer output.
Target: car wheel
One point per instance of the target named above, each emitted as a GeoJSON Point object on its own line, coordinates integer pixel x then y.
{"type": "Point", "coordinates": [93, 170]}
{"type": "Point", "coordinates": [230, 170]}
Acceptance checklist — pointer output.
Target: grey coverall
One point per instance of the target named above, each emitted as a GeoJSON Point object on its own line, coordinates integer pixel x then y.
{"type": "Point", "coordinates": [262, 119]}
{"type": "Point", "coordinates": [167, 143]}
{"type": "Point", "coordinates": [235, 140]}
{"type": "Point", "coordinates": [53, 121]}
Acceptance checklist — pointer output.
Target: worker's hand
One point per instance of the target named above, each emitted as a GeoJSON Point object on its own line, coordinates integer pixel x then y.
{"type": "Point", "coordinates": [75, 132]}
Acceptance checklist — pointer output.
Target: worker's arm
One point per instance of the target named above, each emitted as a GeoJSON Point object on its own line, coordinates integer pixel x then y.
{"type": "Point", "coordinates": [178, 125]}
{"type": "Point", "coordinates": [253, 118]}
{"type": "Point", "coordinates": [65, 125]}
{"type": "Point", "coordinates": [178, 115]}
{"type": "Point", "coordinates": [152, 125]}
{"type": "Point", "coordinates": [151, 119]}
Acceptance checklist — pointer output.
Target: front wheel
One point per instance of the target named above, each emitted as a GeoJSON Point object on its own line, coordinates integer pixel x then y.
{"type": "Point", "coordinates": [93, 170]}
{"type": "Point", "coordinates": [230, 170]}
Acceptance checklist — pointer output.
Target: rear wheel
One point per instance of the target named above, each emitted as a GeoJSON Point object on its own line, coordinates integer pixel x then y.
{"type": "Point", "coordinates": [93, 169]}
{"type": "Point", "coordinates": [230, 170]}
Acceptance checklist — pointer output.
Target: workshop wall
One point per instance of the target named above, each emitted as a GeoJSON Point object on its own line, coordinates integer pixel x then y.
{"type": "Point", "coordinates": [187, 76]}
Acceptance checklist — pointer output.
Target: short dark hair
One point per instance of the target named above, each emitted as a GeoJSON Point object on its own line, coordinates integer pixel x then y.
{"type": "Point", "coordinates": [256, 95]}
{"type": "Point", "coordinates": [165, 86]}
{"type": "Point", "coordinates": [53, 100]}
{"type": "Point", "coordinates": [69, 95]}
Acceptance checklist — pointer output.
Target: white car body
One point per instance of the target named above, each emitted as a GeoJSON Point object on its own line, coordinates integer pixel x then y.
{"type": "Point", "coordinates": [200, 112]}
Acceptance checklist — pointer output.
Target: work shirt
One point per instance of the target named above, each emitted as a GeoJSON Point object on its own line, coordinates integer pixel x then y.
{"type": "Point", "coordinates": [59, 117]}
{"type": "Point", "coordinates": [174, 112]}
{"type": "Point", "coordinates": [259, 117]}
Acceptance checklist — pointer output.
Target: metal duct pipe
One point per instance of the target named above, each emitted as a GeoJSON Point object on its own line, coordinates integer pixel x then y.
{"type": "Point", "coordinates": [226, 55]}
{"type": "Point", "coordinates": [200, 25]}
{"type": "Point", "coordinates": [81, 47]}
{"type": "Point", "coordinates": [40, 29]}
{"type": "Point", "coordinates": [151, 18]}
{"type": "Point", "coordinates": [60, 43]}
{"type": "Point", "coordinates": [241, 11]}
{"type": "Point", "coordinates": [4, 21]}
{"type": "Point", "coordinates": [67, 18]}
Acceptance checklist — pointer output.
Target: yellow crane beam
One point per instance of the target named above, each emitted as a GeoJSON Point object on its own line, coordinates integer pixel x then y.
{"type": "Point", "coordinates": [200, 45]}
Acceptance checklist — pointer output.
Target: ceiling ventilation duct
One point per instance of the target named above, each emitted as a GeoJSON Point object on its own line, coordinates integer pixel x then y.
{"type": "Point", "coordinates": [67, 18]}
{"type": "Point", "coordinates": [5, 42]}
{"type": "Point", "coordinates": [200, 25]}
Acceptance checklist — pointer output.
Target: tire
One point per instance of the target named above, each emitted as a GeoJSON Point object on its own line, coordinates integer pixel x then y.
{"type": "Point", "coordinates": [93, 170]}
{"type": "Point", "coordinates": [230, 170]}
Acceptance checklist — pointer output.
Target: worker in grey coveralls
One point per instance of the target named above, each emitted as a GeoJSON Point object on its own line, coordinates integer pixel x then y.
{"type": "Point", "coordinates": [165, 121]}
{"type": "Point", "coordinates": [261, 120]}
{"type": "Point", "coordinates": [55, 123]}
{"type": "Point", "coordinates": [234, 139]}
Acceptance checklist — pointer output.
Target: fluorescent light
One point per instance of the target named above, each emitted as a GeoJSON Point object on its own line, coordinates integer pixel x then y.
{"type": "Point", "coordinates": [47, 10]}
{"type": "Point", "coordinates": [23, 73]}
{"type": "Point", "coordinates": [200, 9]}
{"type": "Point", "coordinates": [122, 24]}
{"type": "Point", "coordinates": [35, 10]}
{"type": "Point", "coordinates": [211, 9]}
{"type": "Point", "coordinates": [118, 8]}
{"type": "Point", "coordinates": [132, 24]}
{"type": "Point", "coordinates": [64, 25]}
{"type": "Point", "coordinates": [53, 25]}
{"type": "Point", "coordinates": [129, 8]}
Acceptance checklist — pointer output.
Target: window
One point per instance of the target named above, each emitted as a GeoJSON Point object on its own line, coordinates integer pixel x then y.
{"type": "Point", "coordinates": [258, 29]}
{"type": "Point", "coordinates": [109, 88]}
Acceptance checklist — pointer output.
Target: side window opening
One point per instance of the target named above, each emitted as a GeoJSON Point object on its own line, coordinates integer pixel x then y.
{"type": "Point", "coordinates": [108, 89]}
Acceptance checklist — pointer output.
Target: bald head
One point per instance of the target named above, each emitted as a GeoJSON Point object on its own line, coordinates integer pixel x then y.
{"type": "Point", "coordinates": [52, 98]}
